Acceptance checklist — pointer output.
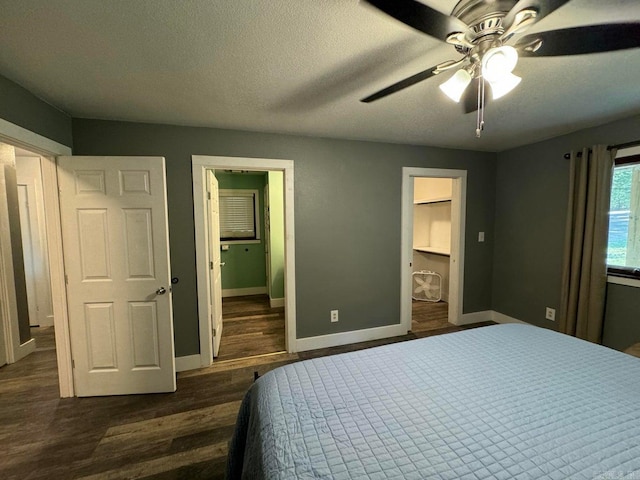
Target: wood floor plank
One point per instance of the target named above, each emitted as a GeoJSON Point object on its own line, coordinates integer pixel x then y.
{"type": "Point", "coordinates": [250, 327]}
{"type": "Point", "coordinates": [163, 464]}
{"type": "Point", "coordinates": [223, 365]}
{"type": "Point", "coordinates": [191, 421]}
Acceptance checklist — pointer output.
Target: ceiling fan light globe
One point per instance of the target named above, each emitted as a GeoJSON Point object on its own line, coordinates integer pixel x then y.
{"type": "Point", "coordinates": [499, 62]}
{"type": "Point", "coordinates": [504, 85]}
{"type": "Point", "coordinates": [456, 85]}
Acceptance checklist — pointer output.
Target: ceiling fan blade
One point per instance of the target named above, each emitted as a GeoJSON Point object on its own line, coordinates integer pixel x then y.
{"type": "Point", "coordinates": [542, 7]}
{"type": "Point", "coordinates": [581, 40]}
{"type": "Point", "coordinates": [423, 18]}
{"type": "Point", "coordinates": [401, 85]}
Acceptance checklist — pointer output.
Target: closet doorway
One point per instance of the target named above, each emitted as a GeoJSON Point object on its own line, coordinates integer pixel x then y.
{"type": "Point", "coordinates": [432, 198]}
{"type": "Point", "coordinates": [433, 207]}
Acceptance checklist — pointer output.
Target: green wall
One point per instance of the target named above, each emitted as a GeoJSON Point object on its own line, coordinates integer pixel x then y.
{"type": "Point", "coordinates": [532, 188]}
{"type": "Point", "coordinates": [276, 243]}
{"type": "Point", "coordinates": [244, 262]}
{"type": "Point", "coordinates": [347, 217]}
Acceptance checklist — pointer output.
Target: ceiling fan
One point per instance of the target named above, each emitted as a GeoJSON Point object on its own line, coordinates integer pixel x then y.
{"type": "Point", "coordinates": [484, 33]}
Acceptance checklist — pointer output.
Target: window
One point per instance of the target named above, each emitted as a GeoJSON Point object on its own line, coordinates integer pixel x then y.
{"type": "Point", "coordinates": [623, 252]}
{"type": "Point", "coordinates": [239, 218]}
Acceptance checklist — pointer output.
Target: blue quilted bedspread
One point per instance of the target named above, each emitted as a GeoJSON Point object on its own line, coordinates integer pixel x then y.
{"type": "Point", "coordinates": [499, 402]}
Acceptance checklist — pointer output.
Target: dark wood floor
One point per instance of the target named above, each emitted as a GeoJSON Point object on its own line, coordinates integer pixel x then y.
{"type": "Point", "coordinates": [250, 327]}
{"type": "Point", "coordinates": [427, 316]}
{"type": "Point", "coordinates": [183, 435]}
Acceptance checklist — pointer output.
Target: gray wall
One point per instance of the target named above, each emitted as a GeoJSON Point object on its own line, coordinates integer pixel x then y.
{"type": "Point", "coordinates": [622, 317]}
{"type": "Point", "coordinates": [21, 107]}
{"type": "Point", "coordinates": [347, 214]}
{"type": "Point", "coordinates": [532, 186]}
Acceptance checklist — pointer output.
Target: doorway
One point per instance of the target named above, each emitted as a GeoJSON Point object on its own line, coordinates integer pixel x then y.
{"type": "Point", "coordinates": [34, 239]}
{"type": "Point", "coordinates": [14, 137]}
{"type": "Point", "coordinates": [433, 219]}
{"type": "Point", "coordinates": [251, 231]}
{"type": "Point", "coordinates": [431, 253]}
{"type": "Point", "coordinates": [267, 302]}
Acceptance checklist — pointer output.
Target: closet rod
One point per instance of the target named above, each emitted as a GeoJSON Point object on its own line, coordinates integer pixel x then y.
{"type": "Point", "coordinates": [619, 146]}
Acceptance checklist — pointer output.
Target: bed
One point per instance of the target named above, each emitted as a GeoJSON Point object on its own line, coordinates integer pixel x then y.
{"type": "Point", "coordinates": [499, 402]}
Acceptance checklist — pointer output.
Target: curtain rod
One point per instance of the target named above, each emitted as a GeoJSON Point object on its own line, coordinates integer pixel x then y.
{"type": "Point", "coordinates": [619, 146]}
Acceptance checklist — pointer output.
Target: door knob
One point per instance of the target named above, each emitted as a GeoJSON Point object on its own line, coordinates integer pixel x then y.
{"type": "Point", "coordinates": [222, 264]}
{"type": "Point", "coordinates": [161, 291]}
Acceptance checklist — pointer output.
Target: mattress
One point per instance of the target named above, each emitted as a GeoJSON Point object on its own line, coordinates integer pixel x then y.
{"type": "Point", "coordinates": [498, 402]}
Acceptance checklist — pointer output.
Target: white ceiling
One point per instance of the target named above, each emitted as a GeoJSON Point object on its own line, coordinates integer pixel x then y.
{"type": "Point", "coordinates": [298, 66]}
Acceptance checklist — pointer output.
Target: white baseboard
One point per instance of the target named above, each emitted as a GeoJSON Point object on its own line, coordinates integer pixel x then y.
{"type": "Point", "coordinates": [276, 302]}
{"type": "Point", "coordinates": [25, 349]}
{"type": "Point", "coordinates": [345, 338]}
{"type": "Point", "coordinates": [189, 362]}
{"type": "Point", "coordinates": [192, 362]}
{"type": "Point", "coordinates": [241, 292]}
{"type": "Point", "coordinates": [486, 316]}
{"type": "Point", "coordinates": [502, 318]}
{"type": "Point", "coordinates": [476, 317]}
{"type": "Point", "coordinates": [48, 321]}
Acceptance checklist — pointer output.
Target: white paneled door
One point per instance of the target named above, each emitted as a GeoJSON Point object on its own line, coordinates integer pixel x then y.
{"type": "Point", "coordinates": [215, 266]}
{"type": "Point", "coordinates": [116, 253]}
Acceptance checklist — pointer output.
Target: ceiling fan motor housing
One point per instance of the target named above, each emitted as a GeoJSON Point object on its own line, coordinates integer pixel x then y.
{"type": "Point", "coordinates": [484, 17]}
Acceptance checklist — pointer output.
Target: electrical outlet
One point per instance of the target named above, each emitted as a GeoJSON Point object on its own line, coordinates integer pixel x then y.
{"type": "Point", "coordinates": [481, 236]}
{"type": "Point", "coordinates": [550, 314]}
{"type": "Point", "coordinates": [334, 316]}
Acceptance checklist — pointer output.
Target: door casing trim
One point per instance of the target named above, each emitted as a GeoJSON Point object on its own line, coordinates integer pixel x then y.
{"type": "Point", "coordinates": [21, 137]}
{"type": "Point", "coordinates": [201, 163]}
{"type": "Point", "coordinates": [456, 259]}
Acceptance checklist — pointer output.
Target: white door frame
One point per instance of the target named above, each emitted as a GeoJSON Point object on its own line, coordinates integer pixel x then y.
{"type": "Point", "coordinates": [456, 260]}
{"type": "Point", "coordinates": [201, 163]}
{"type": "Point", "coordinates": [20, 137]}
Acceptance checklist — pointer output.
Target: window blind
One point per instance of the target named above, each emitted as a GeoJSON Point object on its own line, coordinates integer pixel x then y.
{"type": "Point", "coordinates": [237, 219]}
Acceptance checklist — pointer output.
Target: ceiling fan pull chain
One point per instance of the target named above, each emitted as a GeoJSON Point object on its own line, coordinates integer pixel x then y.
{"type": "Point", "coordinates": [480, 116]}
{"type": "Point", "coordinates": [483, 103]}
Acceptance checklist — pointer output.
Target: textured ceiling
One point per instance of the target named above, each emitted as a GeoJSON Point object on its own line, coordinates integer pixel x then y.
{"type": "Point", "coordinates": [298, 66]}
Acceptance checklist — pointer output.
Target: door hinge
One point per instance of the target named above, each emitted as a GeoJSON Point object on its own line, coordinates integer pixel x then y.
{"type": "Point", "coordinates": [208, 195]}
{"type": "Point", "coordinates": [73, 363]}
{"type": "Point", "coordinates": [214, 332]}
{"type": "Point", "coordinates": [66, 279]}
{"type": "Point", "coordinates": [210, 265]}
